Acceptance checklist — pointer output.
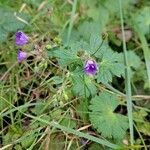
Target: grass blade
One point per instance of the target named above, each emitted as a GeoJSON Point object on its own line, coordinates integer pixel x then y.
{"type": "Point", "coordinates": [127, 79]}
{"type": "Point", "coordinates": [71, 20]}
{"type": "Point", "coordinates": [65, 129]}
{"type": "Point", "coordinates": [146, 53]}
{"type": "Point", "coordinates": [75, 132]}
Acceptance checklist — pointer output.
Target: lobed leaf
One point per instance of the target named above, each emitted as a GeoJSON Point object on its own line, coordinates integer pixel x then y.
{"type": "Point", "coordinates": [110, 66]}
{"type": "Point", "coordinates": [141, 20]}
{"type": "Point", "coordinates": [103, 118]}
{"type": "Point", "coordinates": [83, 86]}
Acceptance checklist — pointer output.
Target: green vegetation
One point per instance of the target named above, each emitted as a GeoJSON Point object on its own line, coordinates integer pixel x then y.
{"type": "Point", "coordinates": [50, 96]}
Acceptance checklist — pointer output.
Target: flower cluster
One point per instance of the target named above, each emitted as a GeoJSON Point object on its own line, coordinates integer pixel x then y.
{"type": "Point", "coordinates": [21, 40]}
{"type": "Point", "coordinates": [90, 66]}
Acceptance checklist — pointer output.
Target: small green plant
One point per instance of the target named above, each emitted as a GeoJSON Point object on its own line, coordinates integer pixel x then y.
{"type": "Point", "coordinates": [74, 74]}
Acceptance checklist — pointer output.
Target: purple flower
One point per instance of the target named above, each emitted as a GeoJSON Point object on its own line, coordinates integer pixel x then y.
{"type": "Point", "coordinates": [90, 67]}
{"type": "Point", "coordinates": [21, 38]}
{"type": "Point", "coordinates": [21, 56]}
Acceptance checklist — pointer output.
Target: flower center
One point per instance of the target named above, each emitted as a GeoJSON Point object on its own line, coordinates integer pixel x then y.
{"type": "Point", "coordinates": [92, 67]}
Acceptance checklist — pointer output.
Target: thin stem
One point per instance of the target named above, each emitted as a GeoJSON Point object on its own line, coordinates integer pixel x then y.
{"type": "Point", "coordinates": [84, 87]}
{"type": "Point", "coordinates": [127, 79]}
{"type": "Point", "coordinates": [71, 20]}
{"type": "Point", "coordinates": [140, 137]}
{"type": "Point", "coordinates": [11, 67]}
{"type": "Point", "coordinates": [98, 48]}
{"type": "Point", "coordinates": [113, 89]}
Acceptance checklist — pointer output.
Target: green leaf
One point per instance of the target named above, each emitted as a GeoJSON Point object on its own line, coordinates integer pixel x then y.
{"type": "Point", "coordinates": [3, 35]}
{"type": "Point", "coordinates": [103, 118]}
{"type": "Point", "coordinates": [65, 56]}
{"type": "Point", "coordinates": [133, 56]}
{"type": "Point", "coordinates": [134, 65]}
{"type": "Point", "coordinates": [96, 45]}
{"type": "Point", "coordinates": [99, 14]}
{"type": "Point", "coordinates": [140, 74]}
{"type": "Point", "coordinates": [140, 115]}
{"type": "Point", "coordinates": [83, 86]}
{"type": "Point", "coordinates": [141, 20]}
{"type": "Point", "coordinates": [109, 66]}
{"type": "Point", "coordinates": [86, 29]}
{"type": "Point", "coordinates": [113, 7]}
{"type": "Point", "coordinates": [10, 22]}
{"type": "Point", "coordinates": [142, 125]}
{"type": "Point", "coordinates": [90, 46]}
{"type": "Point", "coordinates": [144, 128]}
